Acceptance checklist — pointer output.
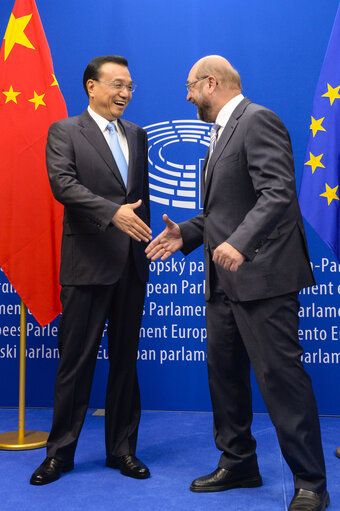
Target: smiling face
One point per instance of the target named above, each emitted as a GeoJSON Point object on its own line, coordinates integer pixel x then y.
{"type": "Point", "coordinates": [105, 99]}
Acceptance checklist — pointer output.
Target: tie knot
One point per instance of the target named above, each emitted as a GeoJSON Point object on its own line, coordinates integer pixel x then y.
{"type": "Point", "coordinates": [111, 127]}
{"type": "Point", "coordinates": [215, 128]}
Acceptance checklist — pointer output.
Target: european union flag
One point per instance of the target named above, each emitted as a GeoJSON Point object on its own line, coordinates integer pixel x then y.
{"type": "Point", "coordinates": [319, 191]}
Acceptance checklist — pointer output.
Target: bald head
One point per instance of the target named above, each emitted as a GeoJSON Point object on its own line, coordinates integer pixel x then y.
{"type": "Point", "coordinates": [212, 82]}
{"type": "Point", "coordinates": [220, 68]}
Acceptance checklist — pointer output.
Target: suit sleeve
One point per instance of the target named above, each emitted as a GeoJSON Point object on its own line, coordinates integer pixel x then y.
{"type": "Point", "coordinates": [271, 169]}
{"type": "Point", "coordinates": [66, 187]}
{"type": "Point", "coordinates": [192, 233]}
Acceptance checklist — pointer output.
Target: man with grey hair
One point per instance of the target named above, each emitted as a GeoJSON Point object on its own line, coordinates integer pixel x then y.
{"type": "Point", "coordinates": [256, 263]}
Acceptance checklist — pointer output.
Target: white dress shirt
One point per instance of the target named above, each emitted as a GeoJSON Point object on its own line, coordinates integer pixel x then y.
{"type": "Point", "coordinates": [224, 114]}
{"type": "Point", "coordinates": [102, 123]}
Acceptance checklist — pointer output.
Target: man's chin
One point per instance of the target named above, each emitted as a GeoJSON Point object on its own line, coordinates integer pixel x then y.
{"type": "Point", "coordinates": [116, 115]}
{"type": "Point", "coordinates": [201, 116]}
{"type": "Point", "coordinates": [116, 112]}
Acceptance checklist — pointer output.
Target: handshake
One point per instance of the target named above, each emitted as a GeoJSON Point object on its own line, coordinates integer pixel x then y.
{"type": "Point", "coordinates": [170, 240]}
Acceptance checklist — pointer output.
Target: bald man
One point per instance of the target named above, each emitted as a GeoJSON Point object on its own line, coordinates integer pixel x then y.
{"type": "Point", "coordinates": [256, 263]}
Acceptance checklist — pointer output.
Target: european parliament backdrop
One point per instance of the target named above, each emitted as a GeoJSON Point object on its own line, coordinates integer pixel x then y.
{"type": "Point", "coordinates": [278, 47]}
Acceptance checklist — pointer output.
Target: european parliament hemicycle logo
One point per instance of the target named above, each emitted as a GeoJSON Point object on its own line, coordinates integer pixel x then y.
{"type": "Point", "coordinates": [176, 155]}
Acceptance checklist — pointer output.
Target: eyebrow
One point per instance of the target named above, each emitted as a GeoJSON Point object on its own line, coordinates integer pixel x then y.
{"type": "Point", "coordinates": [119, 80]}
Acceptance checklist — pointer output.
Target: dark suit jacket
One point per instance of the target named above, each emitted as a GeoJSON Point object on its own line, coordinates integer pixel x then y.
{"type": "Point", "coordinates": [249, 200]}
{"type": "Point", "coordinates": [85, 179]}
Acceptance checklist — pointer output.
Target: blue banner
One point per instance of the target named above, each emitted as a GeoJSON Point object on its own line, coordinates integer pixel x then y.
{"type": "Point", "coordinates": [278, 48]}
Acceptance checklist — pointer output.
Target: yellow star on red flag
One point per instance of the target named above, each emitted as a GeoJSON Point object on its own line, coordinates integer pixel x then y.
{"type": "Point", "coordinates": [11, 95]}
{"type": "Point", "coordinates": [30, 216]}
{"type": "Point", "coordinates": [55, 81]}
{"type": "Point", "coordinates": [15, 33]}
{"type": "Point", "coordinates": [37, 100]}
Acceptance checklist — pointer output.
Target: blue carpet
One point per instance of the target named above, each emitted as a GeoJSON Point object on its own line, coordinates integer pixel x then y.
{"type": "Point", "coordinates": [177, 447]}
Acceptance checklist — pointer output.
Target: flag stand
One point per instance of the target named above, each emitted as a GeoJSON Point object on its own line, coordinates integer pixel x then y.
{"type": "Point", "coordinates": [21, 439]}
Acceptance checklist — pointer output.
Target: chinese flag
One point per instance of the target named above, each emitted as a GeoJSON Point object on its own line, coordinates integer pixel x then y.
{"type": "Point", "coordinates": [30, 218]}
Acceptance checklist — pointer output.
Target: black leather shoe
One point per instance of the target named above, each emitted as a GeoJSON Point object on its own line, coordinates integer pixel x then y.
{"type": "Point", "coordinates": [222, 479]}
{"type": "Point", "coordinates": [49, 471]}
{"type": "Point", "coordinates": [129, 466]}
{"type": "Point", "coordinates": [306, 500]}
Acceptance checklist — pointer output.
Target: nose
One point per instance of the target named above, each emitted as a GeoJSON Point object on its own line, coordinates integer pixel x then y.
{"type": "Point", "coordinates": [189, 95]}
{"type": "Point", "coordinates": [124, 93]}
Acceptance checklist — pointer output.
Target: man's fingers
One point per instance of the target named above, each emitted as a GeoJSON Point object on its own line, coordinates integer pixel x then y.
{"type": "Point", "coordinates": [156, 249]}
{"type": "Point", "coordinates": [143, 225]}
{"type": "Point", "coordinates": [169, 223]}
{"type": "Point", "coordinates": [161, 253]}
{"type": "Point", "coordinates": [140, 233]}
{"type": "Point", "coordinates": [149, 248]}
{"type": "Point", "coordinates": [152, 250]}
{"type": "Point", "coordinates": [152, 245]}
{"type": "Point", "coordinates": [133, 235]}
{"type": "Point", "coordinates": [226, 263]}
{"type": "Point", "coordinates": [136, 234]}
{"type": "Point", "coordinates": [166, 255]}
{"type": "Point", "coordinates": [135, 205]}
{"type": "Point", "coordinates": [156, 255]}
{"type": "Point", "coordinates": [138, 229]}
{"type": "Point", "coordinates": [140, 225]}
{"type": "Point", "coordinates": [137, 225]}
{"type": "Point", "coordinates": [215, 257]}
{"type": "Point", "coordinates": [166, 243]}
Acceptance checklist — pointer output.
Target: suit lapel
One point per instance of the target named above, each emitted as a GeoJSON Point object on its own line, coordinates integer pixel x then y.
{"type": "Point", "coordinates": [203, 180]}
{"type": "Point", "coordinates": [222, 142]}
{"type": "Point", "coordinates": [95, 137]}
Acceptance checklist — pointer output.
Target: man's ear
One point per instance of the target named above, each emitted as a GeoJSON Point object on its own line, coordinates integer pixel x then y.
{"type": "Point", "coordinates": [90, 86]}
{"type": "Point", "coordinates": [212, 82]}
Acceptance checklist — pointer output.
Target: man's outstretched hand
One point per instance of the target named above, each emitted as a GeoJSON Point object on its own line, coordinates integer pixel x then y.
{"type": "Point", "coordinates": [166, 243]}
{"type": "Point", "coordinates": [127, 221]}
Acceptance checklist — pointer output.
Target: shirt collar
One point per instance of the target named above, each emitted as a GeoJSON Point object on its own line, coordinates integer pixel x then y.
{"type": "Point", "coordinates": [224, 114]}
{"type": "Point", "coordinates": [101, 121]}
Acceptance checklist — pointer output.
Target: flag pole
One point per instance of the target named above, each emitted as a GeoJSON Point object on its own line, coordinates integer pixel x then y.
{"type": "Point", "coordinates": [21, 439]}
